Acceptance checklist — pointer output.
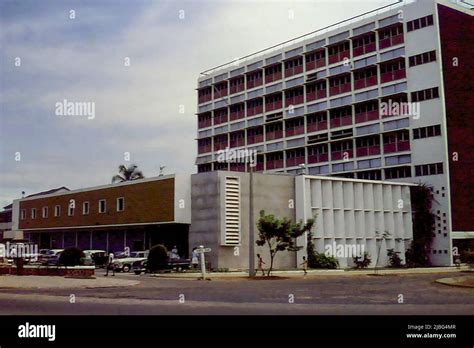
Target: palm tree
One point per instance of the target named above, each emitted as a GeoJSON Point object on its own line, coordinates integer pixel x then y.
{"type": "Point", "coordinates": [128, 173]}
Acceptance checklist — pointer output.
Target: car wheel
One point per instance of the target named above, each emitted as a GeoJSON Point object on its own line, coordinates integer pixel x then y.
{"type": "Point", "coordinates": [126, 268]}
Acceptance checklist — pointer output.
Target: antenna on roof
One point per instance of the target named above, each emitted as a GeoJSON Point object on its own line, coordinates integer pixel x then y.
{"type": "Point", "coordinates": [161, 170]}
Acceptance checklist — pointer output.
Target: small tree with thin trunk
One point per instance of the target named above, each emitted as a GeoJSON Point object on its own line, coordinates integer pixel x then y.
{"type": "Point", "coordinates": [279, 234]}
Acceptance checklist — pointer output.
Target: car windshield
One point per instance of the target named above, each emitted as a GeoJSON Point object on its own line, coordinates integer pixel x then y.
{"type": "Point", "coordinates": [136, 254]}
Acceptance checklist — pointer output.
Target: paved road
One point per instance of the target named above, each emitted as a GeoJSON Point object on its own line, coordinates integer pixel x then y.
{"type": "Point", "coordinates": [336, 294]}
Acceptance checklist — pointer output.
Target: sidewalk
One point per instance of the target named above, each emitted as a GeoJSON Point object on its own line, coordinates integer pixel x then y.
{"type": "Point", "coordinates": [313, 272]}
{"type": "Point", "coordinates": [45, 282]}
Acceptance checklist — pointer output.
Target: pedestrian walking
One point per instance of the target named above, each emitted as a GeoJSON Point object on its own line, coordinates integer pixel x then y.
{"type": "Point", "coordinates": [260, 264]}
{"type": "Point", "coordinates": [194, 258]}
{"type": "Point", "coordinates": [305, 265]}
{"type": "Point", "coordinates": [110, 265]}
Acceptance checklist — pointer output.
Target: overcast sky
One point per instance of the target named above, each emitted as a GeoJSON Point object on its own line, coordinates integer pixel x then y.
{"type": "Point", "coordinates": [137, 107]}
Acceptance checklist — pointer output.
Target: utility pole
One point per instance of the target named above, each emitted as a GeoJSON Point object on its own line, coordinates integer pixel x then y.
{"type": "Point", "coordinates": [252, 225]}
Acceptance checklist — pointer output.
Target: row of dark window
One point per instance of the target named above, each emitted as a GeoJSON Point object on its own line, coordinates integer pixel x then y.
{"type": "Point", "coordinates": [102, 208]}
{"type": "Point", "coordinates": [425, 94]}
{"type": "Point", "coordinates": [426, 132]}
{"type": "Point", "coordinates": [420, 23]}
{"type": "Point", "coordinates": [429, 169]}
{"type": "Point", "coordinates": [422, 58]}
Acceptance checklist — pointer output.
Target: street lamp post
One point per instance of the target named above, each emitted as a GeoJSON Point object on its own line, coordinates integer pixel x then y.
{"type": "Point", "coordinates": [251, 227]}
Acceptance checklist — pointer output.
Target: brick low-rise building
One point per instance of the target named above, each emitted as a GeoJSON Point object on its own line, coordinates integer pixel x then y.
{"type": "Point", "coordinates": [134, 214]}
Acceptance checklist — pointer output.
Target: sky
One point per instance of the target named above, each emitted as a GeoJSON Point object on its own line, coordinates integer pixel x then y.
{"type": "Point", "coordinates": [138, 62]}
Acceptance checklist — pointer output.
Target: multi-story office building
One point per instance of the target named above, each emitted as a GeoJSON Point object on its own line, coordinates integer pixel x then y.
{"type": "Point", "coordinates": [382, 96]}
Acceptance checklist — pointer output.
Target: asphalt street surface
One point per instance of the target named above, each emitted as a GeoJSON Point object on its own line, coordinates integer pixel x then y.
{"type": "Point", "coordinates": [319, 294]}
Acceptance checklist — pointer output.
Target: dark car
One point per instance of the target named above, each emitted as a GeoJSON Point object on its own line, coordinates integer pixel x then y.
{"type": "Point", "coordinates": [177, 265]}
{"type": "Point", "coordinates": [99, 257]}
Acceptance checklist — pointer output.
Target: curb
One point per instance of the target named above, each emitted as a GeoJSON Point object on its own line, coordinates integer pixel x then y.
{"type": "Point", "coordinates": [458, 282]}
{"type": "Point", "coordinates": [299, 273]}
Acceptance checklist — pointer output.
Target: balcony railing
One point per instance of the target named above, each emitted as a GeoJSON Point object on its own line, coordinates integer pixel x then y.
{"type": "Point", "coordinates": [204, 148]}
{"type": "Point", "coordinates": [397, 147]}
{"type": "Point", "coordinates": [220, 119]}
{"type": "Point", "coordinates": [368, 151]}
{"type": "Point", "coordinates": [393, 75]}
{"type": "Point", "coordinates": [237, 88]}
{"type": "Point", "coordinates": [204, 98]}
{"type": "Point", "coordinates": [237, 167]}
{"type": "Point", "coordinates": [367, 116]}
{"type": "Point", "coordinates": [322, 93]}
{"type": "Point", "coordinates": [273, 106]}
{"type": "Point", "coordinates": [205, 123]}
{"type": "Point", "coordinates": [339, 89]}
{"type": "Point", "coordinates": [255, 110]}
{"type": "Point", "coordinates": [315, 64]}
{"type": "Point", "coordinates": [339, 155]}
{"type": "Point", "coordinates": [237, 142]}
{"type": "Point", "coordinates": [254, 83]}
{"type": "Point", "coordinates": [237, 114]}
{"type": "Point", "coordinates": [275, 164]}
{"type": "Point", "coordinates": [341, 121]}
{"type": "Point", "coordinates": [274, 135]}
{"type": "Point", "coordinates": [364, 83]}
{"type": "Point", "coordinates": [316, 126]}
{"type": "Point", "coordinates": [391, 41]}
{"type": "Point", "coordinates": [294, 100]}
{"type": "Point", "coordinates": [221, 93]}
{"type": "Point", "coordinates": [359, 51]}
{"type": "Point", "coordinates": [295, 161]}
{"type": "Point", "coordinates": [294, 70]}
{"type": "Point", "coordinates": [322, 157]}
{"type": "Point", "coordinates": [255, 139]}
{"type": "Point", "coordinates": [273, 77]}
{"type": "Point", "coordinates": [339, 56]}
{"type": "Point", "coordinates": [220, 146]}
{"type": "Point", "coordinates": [294, 131]}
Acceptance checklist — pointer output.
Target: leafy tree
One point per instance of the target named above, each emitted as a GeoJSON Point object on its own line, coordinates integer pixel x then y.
{"type": "Point", "coordinates": [362, 262]}
{"type": "Point", "coordinates": [381, 237]}
{"type": "Point", "coordinates": [279, 234]}
{"type": "Point", "coordinates": [127, 174]}
{"type": "Point", "coordinates": [393, 258]}
{"type": "Point", "coordinates": [423, 225]}
{"type": "Point", "coordinates": [312, 262]}
{"type": "Point", "coordinates": [321, 260]}
{"type": "Point", "coordinates": [157, 258]}
{"type": "Point", "coordinates": [71, 257]}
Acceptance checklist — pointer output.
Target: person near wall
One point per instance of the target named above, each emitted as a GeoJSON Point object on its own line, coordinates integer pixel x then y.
{"type": "Point", "coordinates": [305, 265]}
{"type": "Point", "coordinates": [110, 265]}
{"type": "Point", "coordinates": [260, 264]}
{"type": "Point", "coordinates": [194, 258]}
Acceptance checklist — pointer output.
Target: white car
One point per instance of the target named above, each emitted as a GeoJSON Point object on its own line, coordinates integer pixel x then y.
{"type": "Point", "coordinates": [124, 264]}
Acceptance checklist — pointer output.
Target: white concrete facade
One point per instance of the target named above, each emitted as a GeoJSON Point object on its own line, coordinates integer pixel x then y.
{"type": "Point", "coordinates": [355, 213]}
{"type": "Point", "coordinates": [422, 151]}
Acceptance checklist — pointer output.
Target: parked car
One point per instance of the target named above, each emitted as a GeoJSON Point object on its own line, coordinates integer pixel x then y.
{"type": "Point", "coordinates": [124, 264]}
{"type": "Point", "coordinates": [177, 265]}
{"type": "Point", "coordinates": [51, 257]}
{"type": "Point", "coordinates": [98, 256]}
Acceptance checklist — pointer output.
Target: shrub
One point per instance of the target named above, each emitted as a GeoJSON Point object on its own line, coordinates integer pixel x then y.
{"type": "Point", "coordinates": [362, 262]}
{"type": "Point", "coordinates": [71, 257]}
{"type": "Point", "coordinates": [157, 258]}
{"type": "Point", "coordinates": [394, 259]}
{"type": "Point", "coordinates": [321, 260]}
{"type": "Point", "coordinates": [467, 257]}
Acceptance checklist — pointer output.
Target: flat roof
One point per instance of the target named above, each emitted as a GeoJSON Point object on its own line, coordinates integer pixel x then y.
{"type": "Point", "coordinates": [100, 187]}
{"type": "Point", "coordinates": [301, 37]}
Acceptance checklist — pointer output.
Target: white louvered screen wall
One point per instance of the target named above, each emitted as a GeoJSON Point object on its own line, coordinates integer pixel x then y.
{"type": "Point", "coordinates": [232, 211]}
